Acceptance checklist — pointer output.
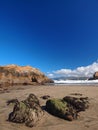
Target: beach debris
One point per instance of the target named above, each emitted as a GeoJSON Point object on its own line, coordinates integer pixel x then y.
{"type": "Point", "coordinates": [45, 97]}
{"type": "Point", "coordinates": [68, 107]}
{"type": "Point", "coordinates": [76, 94]}
{"type": "Point", "coordinates": [27, 111]}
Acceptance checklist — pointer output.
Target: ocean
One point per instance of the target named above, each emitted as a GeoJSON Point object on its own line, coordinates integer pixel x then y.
{"type": "Point", "coordinates": [76, 82]}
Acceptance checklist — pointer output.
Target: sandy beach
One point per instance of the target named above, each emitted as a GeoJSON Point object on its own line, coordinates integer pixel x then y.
{"type": "Point", "coordinates": [87, 120]}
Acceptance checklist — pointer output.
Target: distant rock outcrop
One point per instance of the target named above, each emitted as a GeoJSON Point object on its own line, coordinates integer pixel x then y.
{"type": "Point", "coordinates": [13, 74]}
{"type": "Point", "coordinates": [95, 76]}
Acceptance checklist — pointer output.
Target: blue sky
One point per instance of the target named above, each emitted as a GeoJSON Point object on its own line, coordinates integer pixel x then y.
{"type": "Point", "coordinates": [49, 34]}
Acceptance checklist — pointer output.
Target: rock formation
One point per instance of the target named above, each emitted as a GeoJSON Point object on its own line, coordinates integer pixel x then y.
{"type": "Point", "coordinates": [13, 74]}
{"type": "Point", "coordinates": [95, 76]}
{"type": "Point", "coordinates": [27, 111]}
{"type": "Point", "coordinates": [68, 107]}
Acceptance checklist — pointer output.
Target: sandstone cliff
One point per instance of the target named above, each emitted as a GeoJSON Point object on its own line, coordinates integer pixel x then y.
{"type": "Point", "coordinates": [13, 74]}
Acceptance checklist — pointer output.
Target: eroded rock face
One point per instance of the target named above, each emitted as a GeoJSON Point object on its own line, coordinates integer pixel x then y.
{"type": "Point", "coordinates": [13, 74]}
{"type": "Point", "coordinates": [58, 108]}
{"type": "Point", "coordinates": [79, 104]}
{"type": "Point", "coordinates": [68, 107]}
{"type": "Point", "coordinates": [27, 111]}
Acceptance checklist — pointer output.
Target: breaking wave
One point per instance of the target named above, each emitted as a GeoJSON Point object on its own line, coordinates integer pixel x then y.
{"type": "Point", "coordinates": [76, 81]}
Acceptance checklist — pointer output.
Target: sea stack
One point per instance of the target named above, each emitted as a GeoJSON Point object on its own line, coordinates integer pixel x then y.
{"type": "Point", "coordinates": [95, 76]}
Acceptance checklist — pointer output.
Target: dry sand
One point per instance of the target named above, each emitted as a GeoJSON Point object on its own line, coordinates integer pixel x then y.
{"type": "Point", "coordinates": [87, 120]}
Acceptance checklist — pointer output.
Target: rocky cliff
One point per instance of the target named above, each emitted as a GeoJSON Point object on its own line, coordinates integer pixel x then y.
{"type": "Point", "coordinates": [13, 74]}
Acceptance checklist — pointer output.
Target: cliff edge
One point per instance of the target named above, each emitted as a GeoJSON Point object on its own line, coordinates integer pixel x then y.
{"type": "Point", "coordinates": [14, 74]}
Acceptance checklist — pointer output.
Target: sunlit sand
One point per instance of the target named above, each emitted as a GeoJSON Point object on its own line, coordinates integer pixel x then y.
{"type": "Point", "coordinates": [87, 120]}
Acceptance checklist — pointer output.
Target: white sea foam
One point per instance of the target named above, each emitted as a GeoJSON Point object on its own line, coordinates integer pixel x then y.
{"type": "Point", "coordinates": [76, 81]}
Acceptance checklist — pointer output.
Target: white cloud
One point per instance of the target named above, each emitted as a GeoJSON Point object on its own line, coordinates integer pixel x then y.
{"type": "Point", "coordinates": [87, 71]}
{"type": "Point", "coordinates": [50, 75]}
{"type": "Point", "coordinates": [63, 71]}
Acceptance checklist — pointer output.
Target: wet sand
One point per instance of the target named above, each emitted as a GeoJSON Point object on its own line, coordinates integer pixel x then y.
{"type": "Point", "coordinates": [87, 120]}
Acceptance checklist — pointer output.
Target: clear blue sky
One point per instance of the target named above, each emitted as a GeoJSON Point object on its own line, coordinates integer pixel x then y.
{"type": "Point", "coordinates": [49, 34]}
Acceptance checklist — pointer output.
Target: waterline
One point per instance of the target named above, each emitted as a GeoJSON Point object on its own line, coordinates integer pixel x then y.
{"type": "Point", "coordinates": [76, 82]}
